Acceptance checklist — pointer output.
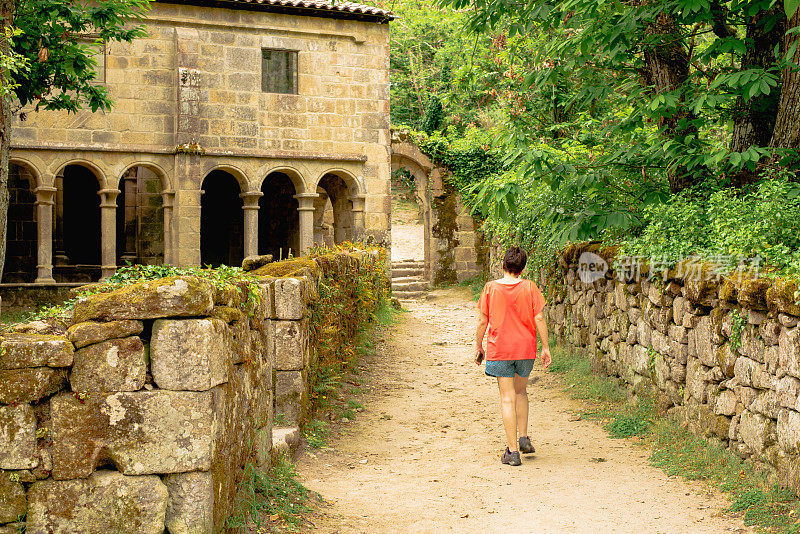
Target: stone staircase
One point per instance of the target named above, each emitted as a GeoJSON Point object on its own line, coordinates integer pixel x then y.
{"type": "Point", "coordinates": [408, 279]}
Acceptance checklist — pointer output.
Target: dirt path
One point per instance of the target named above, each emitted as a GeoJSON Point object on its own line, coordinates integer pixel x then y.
{"type": "Point", "coordinates": [424, 454]}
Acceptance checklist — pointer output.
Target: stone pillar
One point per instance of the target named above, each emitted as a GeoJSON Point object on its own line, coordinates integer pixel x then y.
{"type": "Point", "coordinates": [168, 202]}
{"type": "Point", "coordinates": [358, 216]}
{"type": "Point", "coordinates": [306, 211]}
{"type": "Point", "coordinates": [45, 200]}
{"type": "Point", "coordinates": [250, 208]}
{"type": "Point", "coordinates": [108, 231]}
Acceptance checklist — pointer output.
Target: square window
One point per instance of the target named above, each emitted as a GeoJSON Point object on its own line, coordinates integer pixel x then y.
{"type": "Point", "coordinates": [279, 71]}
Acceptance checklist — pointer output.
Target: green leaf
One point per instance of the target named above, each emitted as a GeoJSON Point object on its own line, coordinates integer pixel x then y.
{"type": "Point", "coordinates": [791, 6]}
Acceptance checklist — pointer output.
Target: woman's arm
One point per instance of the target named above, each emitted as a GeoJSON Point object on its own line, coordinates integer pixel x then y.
{"type": "Point", "coordinates": [483, 322]}
{"type": "Point", "coordinates": [541, 327]}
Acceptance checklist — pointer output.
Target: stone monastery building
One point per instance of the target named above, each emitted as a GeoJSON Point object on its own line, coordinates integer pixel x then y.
{"type": "Point", "coordinates": [240, 127]}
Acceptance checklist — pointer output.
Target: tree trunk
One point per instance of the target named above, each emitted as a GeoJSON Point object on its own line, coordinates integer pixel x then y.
{"type": "Point", "coordinates": [666, 69]}
{"type": "Point", "coordinates": [754, 120]}
{"type": "Point", "coordinates": [7, 19]}
{"type": "Point", "coordinates": [786, 133]}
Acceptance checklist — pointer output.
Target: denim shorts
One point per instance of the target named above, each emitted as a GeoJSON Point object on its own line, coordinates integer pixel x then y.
{"type": "Point", "coordinates": [509, 368]}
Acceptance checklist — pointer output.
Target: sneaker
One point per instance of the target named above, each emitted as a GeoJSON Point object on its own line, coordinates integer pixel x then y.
{"type": "Point", "coordinates": [511, 458]}
{"type": "Point", "coordinates": [525, 445]}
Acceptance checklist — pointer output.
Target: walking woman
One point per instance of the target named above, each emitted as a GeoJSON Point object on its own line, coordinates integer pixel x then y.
{"type": "Point", "coordinates": [511, 309]}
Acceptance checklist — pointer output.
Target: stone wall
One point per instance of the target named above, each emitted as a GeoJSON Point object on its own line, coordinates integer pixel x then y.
{"type": "Point", "coordinates": [140, 413]}
{"type": "Point", "coordinates": [721, 353]}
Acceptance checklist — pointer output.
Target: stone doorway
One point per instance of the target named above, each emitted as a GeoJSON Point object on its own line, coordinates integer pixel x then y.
{"type": "Point", "coordinates": [338, 207]}
{"type": "Point", "coordinates": [77, 236]}
{"type": "Point", "coordinates": [221, 220]}
{"type": "Point", "coordinates": [278, 218]}
{"type": "Point", "coordinates": [140, 218]}
{"type": "Point", "coordinates": [21, 244]}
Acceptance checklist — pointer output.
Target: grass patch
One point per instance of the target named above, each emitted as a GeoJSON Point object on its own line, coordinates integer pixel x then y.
{"type": "Point", "coordinates": [316, 432]}
{"type": "Point", "coordinates": [270, 497]}
{"type": "Point", "coordinates": [676, 451]}
{"type": "Point", "coordinates": [475, 285]}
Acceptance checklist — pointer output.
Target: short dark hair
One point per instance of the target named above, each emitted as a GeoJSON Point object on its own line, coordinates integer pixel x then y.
{"type": "Point", "coordinates": [515, 260]}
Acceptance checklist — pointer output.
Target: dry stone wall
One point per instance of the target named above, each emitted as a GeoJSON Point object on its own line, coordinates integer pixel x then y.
{"type": "Point", "coordinates": [141, 414]}
{"type": "Point", "coordinates": [723, 354]}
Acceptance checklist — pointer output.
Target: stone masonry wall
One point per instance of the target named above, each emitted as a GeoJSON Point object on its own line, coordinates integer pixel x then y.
{"type": "Point", "coordinates": [140, 415]}
{"type": "Point", "coordinates": [723, 354]}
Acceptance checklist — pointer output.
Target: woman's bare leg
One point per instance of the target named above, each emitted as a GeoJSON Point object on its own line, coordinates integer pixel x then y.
{"type": "Point", "coordinates": [521, 405]}
{"type": "Point", "coordinates": [507, 401]}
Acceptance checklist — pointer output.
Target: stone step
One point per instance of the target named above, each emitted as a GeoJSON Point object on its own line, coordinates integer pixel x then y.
{"type": "Point", "coordinates": [404, 273]}
{"type": "Point", "coordinates": [411, 286]}
{"type": "Point", "coordinates": [406, 279]}
{"type": "Point", "coordinates": [408, 265]}
{"type": "Point", "coordinates": [408, 295]}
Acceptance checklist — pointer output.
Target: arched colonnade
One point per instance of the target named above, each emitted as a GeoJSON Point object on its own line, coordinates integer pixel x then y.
{"type": "Point", "coordinates": [80, 223]}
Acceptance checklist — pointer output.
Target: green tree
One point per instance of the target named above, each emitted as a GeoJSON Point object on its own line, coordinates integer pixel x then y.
{"type": "Point", "coordinates": [49, 54]}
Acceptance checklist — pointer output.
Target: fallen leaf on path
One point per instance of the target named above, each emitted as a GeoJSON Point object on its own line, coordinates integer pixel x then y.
{"type": "Point", "coordinates": [464, 516]}
{"type": "Point", "coordinates": [598, 460]}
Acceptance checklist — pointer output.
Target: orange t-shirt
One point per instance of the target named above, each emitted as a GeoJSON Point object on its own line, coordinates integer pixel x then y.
{"type": "Point", "coordinates": [511, 309]}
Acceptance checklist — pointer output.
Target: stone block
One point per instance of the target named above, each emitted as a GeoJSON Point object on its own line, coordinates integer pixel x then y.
{"type": "Point", "coordinates": [726, 403]}
{"type": "Point", "coordinates": [189, 354]}
{"type": "Point", "coordinates": [758, 432]}
{"type": "Point", "coordinates": [290, 343]}
{"type": "Point", "coordinates": [291, 395]}
{"type": "Point", "coordinates": [190, 508]}
{"type": "Point", "coordinates": [90, 332]}
{"type": "Point", "coordinates": [643, 332]}
{"type": "Point", "coordinates": [263, 447]}
{"type": "Point", "coordinates": [770, 331]}
{"type": "Point", "coordinates": [788, 390]}
{"type": "Point", "coordinates": [106, 501]}
{"type": "Point", "coordinates": [789, 351]}
{"type": "Point", "coordinates": [788, 430]}
{"type": "Point", "coordinates": [18, 437]}
{"type": "Point", "coordinates": [678, 309]}
{"type": "Point", "coordinates": [677, 371]}
{"type": "Point", "coordinates": [240, 341]}
{"type": "Point", "coordinates": [706, 350]}
{"type": "Point", "coordinates": [13, 503]}
{"type": "Point", "coordinates": [20, 351]}
{"type": "Point", "coordinates": [679, 334]}
{"type": "Point", "coordinates": [662, 371]}
{"type": "Point", "coordinates": [726, 359]}
{"type": "Point", "coordinates": [174, 296]}
{"type": "Point", "coordinates": [745, 370]}
{"type": "Point", "coordinates": [659, 342]}
{"type": "Point", "coordinates": [752, 344]}
{"type": "Point", "coordinates": [141, 432]}
{"type": "Point", "coordinates": [766, 403]}
{"type": "Point", "coordinates": [30, 385]}
{"type": "Point", "coordinates": [695, 379]}
{"type": "Point", "coordinates": [289, 301]}
{"type": "Point", "coordinates": [116, 365]}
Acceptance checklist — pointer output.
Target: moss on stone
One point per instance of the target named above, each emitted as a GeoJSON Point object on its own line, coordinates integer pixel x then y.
{"type": "Point", "coordinates": [295, 267]}
{"type": "Point", "coordinates": [781, 296]}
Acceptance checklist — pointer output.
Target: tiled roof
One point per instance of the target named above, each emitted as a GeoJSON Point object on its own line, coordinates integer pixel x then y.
{"type": "Point", "coordinates": [325, 8]}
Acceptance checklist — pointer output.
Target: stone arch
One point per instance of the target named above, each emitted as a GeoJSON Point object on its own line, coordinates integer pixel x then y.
{"type": "Point", "coordinates": [30, 166]}
{"type": "Point", "coordinates": [295, 175]}
{"type": "Point", "coordinates": [22, 236]}
{"type": "Point", "coordinates": [166, 182]}
{"type": "Point", "coordinates": [221, 219]}
{"type": "Point", "coordinates": [338, 190]}
{"type": "Point", "coordinates": [278, 216]}
{"type": "Point", "coordinates": [238, 174]}
{"type": "Point", "coordinates": [77, 248]}
{"type": "Point", "coordinates": [140, 217]}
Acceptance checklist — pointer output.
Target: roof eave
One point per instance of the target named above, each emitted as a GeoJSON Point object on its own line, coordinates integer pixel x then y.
{"type": "Point", "coordinates": [289, 10]}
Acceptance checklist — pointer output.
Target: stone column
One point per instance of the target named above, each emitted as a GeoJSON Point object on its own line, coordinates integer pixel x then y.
{"type": "Point", "coordinates": [306, 211]}
{"type": "Point", "coordinates": [250, 208]}
{"type": "Point", "coordinates": [45, 200]}
{"type": "Point", "coordinates": [358, 216]}
{"type": "Point", "coordinates": [168, 202]}
{"type": "Point", "coordinates": [108, 231]}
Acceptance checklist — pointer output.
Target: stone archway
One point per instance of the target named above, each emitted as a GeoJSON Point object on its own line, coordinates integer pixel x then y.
{"type": "Point", "coordinates": [221, 220]}
{"type": "Point", "coordinates": [278, 218]}
{"type": "Point", "coordinates": [140, 217]}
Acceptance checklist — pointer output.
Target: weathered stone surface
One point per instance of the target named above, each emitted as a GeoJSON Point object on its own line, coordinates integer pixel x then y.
{"type": "Point", "coordinates": [726, 359]}
{"type": "Point", "coordinates": [662, 371]}
{"type": "Point", "coordinates": [789, 321]}
{"type": "Point", "coordinates": [788, 389]}
{"type": "Point", "coordinates": [752, 344]}
{"type": "Point", "coordinates": [263, 447]}
{"type": "Point", "coordinates": [30, 385]}
{"type": "Point", "coordinates": [17, 437]}
{"type": "Point", "coordinates": [678, 309]}
{"type": "Point", "coordinates": [105, 502]}
{"type": "Point", "coordinates": [13, 503]}
{"type": "Point", "coordinates": [189, 354]}
{"type": "Point", "coordinates": [725, 403]}
{"type": "Point", "coordinates": [46, 327]}
{"type": "Point", "coordinates": [83, 334]}
{"type": "Point", "coordinates": [643, 332]}
{"type": "Point", "coordinates": [789, 351]}
{"type": "Point", "coordinates": [640, 363]}
{"type": "Point", "coordinates": [695, 380]}
{"type": "Point", "coordinates": [677, 371]}
{"type": "Point", "coordinates": [19, 351]}
{"type": "Point", "coordinates": [706, 350]}
{"type": "Point", "coordinates": [289, 301]}
{"type": "Point", "coordinates": [116, 365]}
{"type": "Point", "coordinates": [289, 345]}
{"type": "Point", "coordinates": [291, 395]}
{"type": "Point", "coordinates": [757, 431]}
{"type": "Point", "coordinates": [142, 432]}
{"type": "Point", "coordinates": [240, 341]}
{"type": "Point", "coordinates": [766, 403]}
{"type": "Point", "coordinates": [251, 263]}
{"type": "Point", "coordinates": [679, 334]}
{"type": "Point", "coordinates": [788, 430]}
{"type": "Point", "coordinates": [174, 296]}
{"type": "Point", "coordinates": [745, 370]}
{"type": "Point", "coordinates": [190, 509]}
{"type": "Point", "coordinates": [659, 342]}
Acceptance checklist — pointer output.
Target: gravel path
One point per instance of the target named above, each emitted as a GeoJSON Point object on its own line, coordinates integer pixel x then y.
{"type": "Point", "coordinates": [424, 454]}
